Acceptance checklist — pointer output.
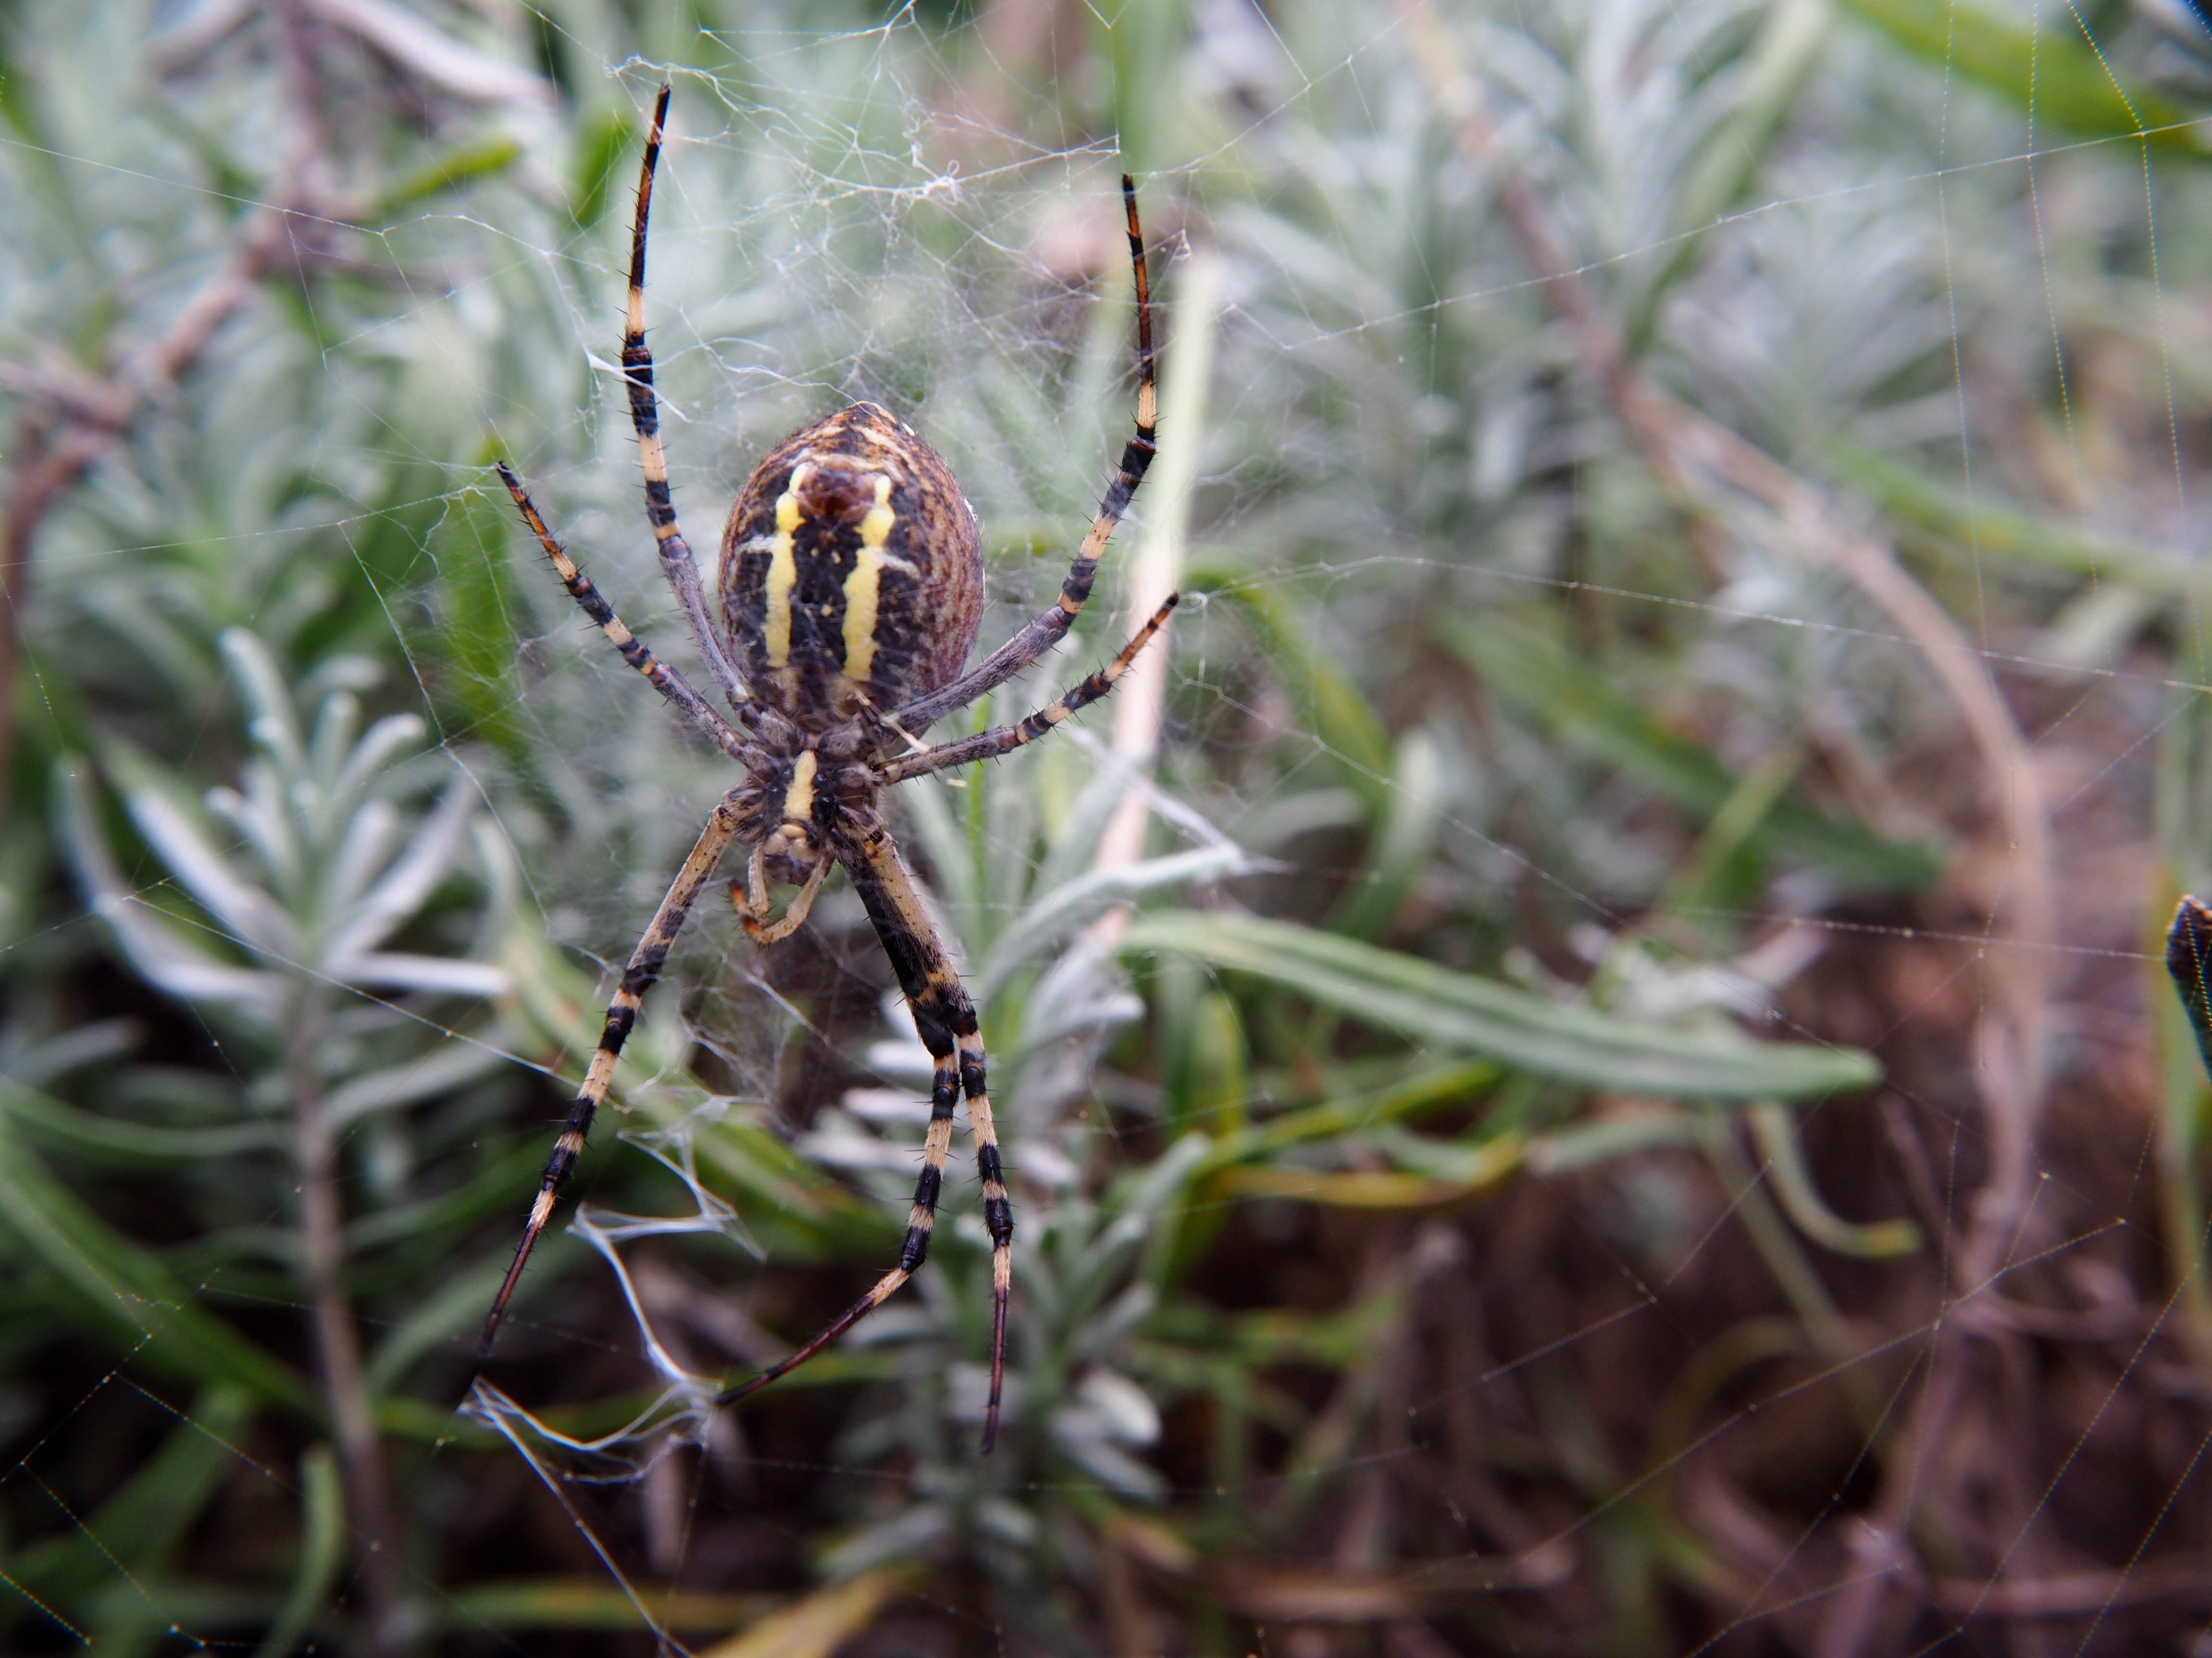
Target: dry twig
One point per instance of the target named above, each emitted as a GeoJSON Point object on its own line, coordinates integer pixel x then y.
{"type": "Point", "coordinates": [74, 421]}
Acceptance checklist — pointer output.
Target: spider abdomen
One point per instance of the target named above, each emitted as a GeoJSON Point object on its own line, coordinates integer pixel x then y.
{"type": "Point", "coordinates": [851, 569]}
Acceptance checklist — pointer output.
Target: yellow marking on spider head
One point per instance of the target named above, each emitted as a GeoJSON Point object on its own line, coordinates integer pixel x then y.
{"type": "Point", "coordinates": [783, 571]}
{"type": "Point", "coordinates": [798, 798]}
{"type": "Point", "coordinates": [864, 587]}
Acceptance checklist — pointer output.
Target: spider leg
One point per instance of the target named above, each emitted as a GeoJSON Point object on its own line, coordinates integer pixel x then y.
{"type": "Point", "coordinates": [637, 978]}
{"type": "Point", "coordinates": [921, 1221]}
{"type": "Point", "coordinates": [1049, 628]}
{"type": "Point", "coordinates": [1004, 739]}
{"type": "Point", "coordinates": [945, 1020]}
{"type": "Point", "coordinates": [665, 680]}
{"type": "Point", "coordinates": [753, 908]}
{"type": "Point", "coordinates": [677, 562]}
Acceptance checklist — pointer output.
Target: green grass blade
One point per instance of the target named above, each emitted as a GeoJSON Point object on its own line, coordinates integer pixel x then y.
{"type": "Point", "coordinates": [1403, 846]}
{"type": "Point", "coordinates": [108, 1142]}
{"type": "Point", "coordinates": [1776, 1132]}
{"type": "Point", "coordinates": [601, 142]}
{"type": "Point", "coordinates": [1329, 705]}
{"type": "Point", "coordinates": [1431, 1089]}
{"type": "Point", "coordinates": [477, 614]}
{"type": "Point", "coordinates": [322, 1551]}
{"type": "Point", "coordinates": [566, 1603]}
{"type": "Point", "coordinates": [118, 1292]}
{"type": "Point", "coordinates": [458, 167]}
{"type": "Point", "coordinates": [2062, 80]}
{"type": "Point", "coordinates": [1953, 521]}
{"type": "Point", "coordinates": [138, 1526]}
{"type": "Point", "coordinates": [1435, 1007]}
{"type": "Point", "coordinates": [1541, 679]}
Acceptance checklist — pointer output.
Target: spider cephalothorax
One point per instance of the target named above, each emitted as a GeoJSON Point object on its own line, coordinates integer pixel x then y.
{"type": "Point", "coordinates": [852, 586]}
{"type": "Point", "coordinates": [790, 805]}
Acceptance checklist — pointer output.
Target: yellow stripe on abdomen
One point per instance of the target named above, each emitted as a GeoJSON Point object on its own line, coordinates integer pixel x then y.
{"type": "Point", "coordinates": [782, 573]}
{"type": "Point", "coordinates": [864, 587]}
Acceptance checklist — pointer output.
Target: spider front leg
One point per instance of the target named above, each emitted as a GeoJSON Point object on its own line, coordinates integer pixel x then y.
{"type": "Point", "coordinates": [945, 1020]}
{"type": "Point", "coordinates": [1030, 644]}
{"type": "Point", "coordinates": [1005, 738]}
{"type": "Point", "coordinates": [635, 650]}
{"type": "Point", "coordinates": [645, 964]}
{"type": "Point", "coordinates": [677, 562]}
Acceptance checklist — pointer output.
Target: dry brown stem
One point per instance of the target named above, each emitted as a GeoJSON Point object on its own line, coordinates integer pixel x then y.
{"type": "Point", "coordinates": [2079, 1594]}
{"type": "Point", "coordinates": [74, 421]}
{"type": "Point", "coordinates": [62, 437]}
{"type": "Point", "coordinates": [338, 1349]}
{"type": "Point", "coordinates": [1722, 478]}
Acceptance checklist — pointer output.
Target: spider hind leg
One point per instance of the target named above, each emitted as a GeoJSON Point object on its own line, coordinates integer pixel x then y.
{"type": "Point", "coordinates": [945, 1021]}
{"type": "Point", "coordinates": [920, 1224]}
{"type": "Point", "coordinates": [998, 1208]}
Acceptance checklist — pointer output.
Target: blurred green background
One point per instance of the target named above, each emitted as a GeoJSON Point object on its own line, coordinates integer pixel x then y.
{"type": "Point", "coordinates": [1585, 1067]}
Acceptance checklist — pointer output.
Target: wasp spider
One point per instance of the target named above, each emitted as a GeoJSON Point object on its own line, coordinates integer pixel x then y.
{"type": "Point", "coordinates": [852, 590]}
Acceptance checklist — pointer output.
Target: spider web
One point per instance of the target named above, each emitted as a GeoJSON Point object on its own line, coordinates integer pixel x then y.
{"type": "Point", "coordinates": [1992, 1443]}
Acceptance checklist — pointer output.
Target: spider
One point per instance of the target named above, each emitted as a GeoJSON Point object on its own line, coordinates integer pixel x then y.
{"type": "Point", "coordinates": [852, 590]}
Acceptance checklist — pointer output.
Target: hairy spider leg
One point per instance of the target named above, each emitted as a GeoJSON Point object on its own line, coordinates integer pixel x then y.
{"type": "Point", "coordinates": [945, 1020]}
{"type": "Point", "coordinates": [1051, 626]}
{"type": "Point", "coordinates": [677, 562]}
{"type": "Point", "coordinates": [665, 680]}
{"type": "Point", "coordinates": [645, 963]}
{"type": "Point", "coordinates": [1003, 740]}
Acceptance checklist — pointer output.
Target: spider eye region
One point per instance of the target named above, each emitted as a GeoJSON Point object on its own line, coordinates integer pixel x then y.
{"type": "Point", "coordinates": [851, 573]}
{"type": "Point", "coordinates": [831, 499]}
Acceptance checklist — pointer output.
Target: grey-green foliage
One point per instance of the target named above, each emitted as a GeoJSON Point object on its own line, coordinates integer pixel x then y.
{"type": "Point", "coordinates": [334, 870]}
{"type": "Point", "coordinates": [292, 935]}
{"type": "Point", "coordinates": [1408, 427]}
{"type": "Point", "coordinates": [300, 914]}
{"type": "Point", "coordinates": [306, 914]}
{"type": "Point", "coordinates": [1400, 435]}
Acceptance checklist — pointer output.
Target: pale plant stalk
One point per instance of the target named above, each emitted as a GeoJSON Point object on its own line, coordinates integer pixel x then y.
{"type": "Point", "coordinates": [1141, 700]}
